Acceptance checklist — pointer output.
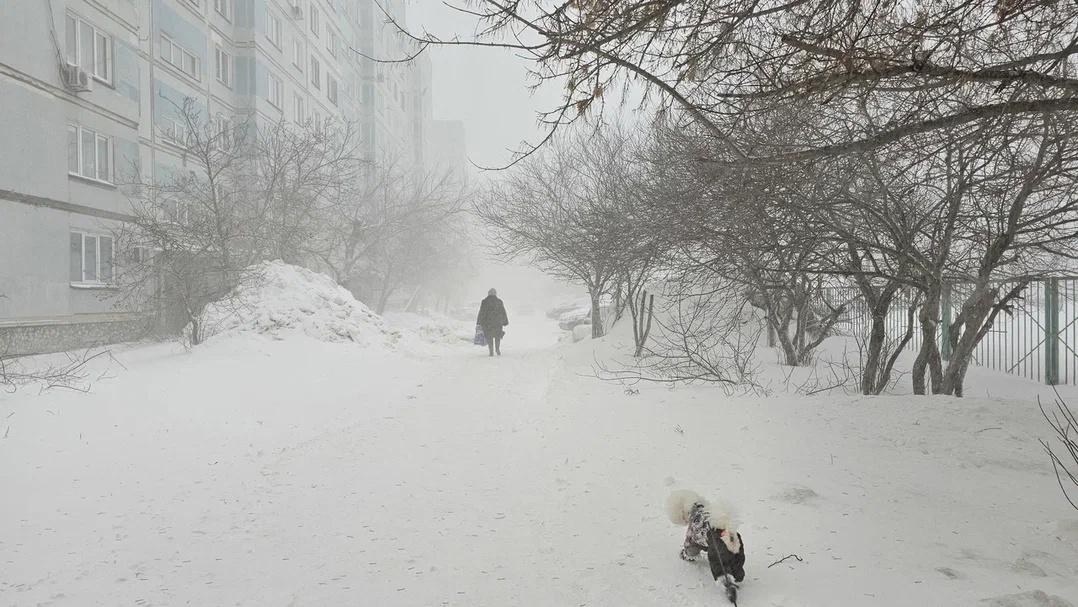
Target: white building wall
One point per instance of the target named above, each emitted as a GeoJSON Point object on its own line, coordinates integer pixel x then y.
{"type": "Point", "coordinates": [41, 204]}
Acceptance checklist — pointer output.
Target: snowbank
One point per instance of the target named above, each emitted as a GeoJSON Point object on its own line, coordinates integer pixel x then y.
{"type": "Point", "coordinates": [436, 330]}
{"type": "Point", "coordinates": [287, 299]}
{"type": "Point", "coordinates": [282, 300]}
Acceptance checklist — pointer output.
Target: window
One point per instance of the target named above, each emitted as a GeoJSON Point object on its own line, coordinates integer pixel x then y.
{"type": "Point", "coordinates": [276, 91]}
{"type": "Point", "coordinates": [89, 154]}
{"type": "Point", "coordinates": [222, 131]}
{"type": "Point", "coordinates": [331, 89]}
{"type": "Point", "coordinates": [91, 258]}
{"type": "Point", "coordinates": [223, 61]}
{"type": "Point", "coordinates": [177, 212]}
{"type": "Point", "coordinates": [224, 67]}
{"type": "Point", "coordinates": [140, 255]}
{"type": "Point", "coordinates": [298, 104]}
{"type": "Point", "coordinates": [297, 54]}
{"type": "Point", "coordinates": [224, 8]}
{"type": "Point", "coordinates": [180, 58]}
{"type": "Point", "coordinates": [273, 29]}
{"type": "Point", "coordinates": [331, 42]}
{"type": "Point", "coordinates": [314, 20]}
{"type": "Point", "coordinates": [89, 48]}
{"type": "Point", "coordinates": [316, 73]}
{"type": "Point", "coordinates": [175, 131]}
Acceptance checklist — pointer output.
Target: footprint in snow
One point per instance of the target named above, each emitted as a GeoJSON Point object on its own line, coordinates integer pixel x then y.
{"type": "Point", "coordinates": [797, 495]}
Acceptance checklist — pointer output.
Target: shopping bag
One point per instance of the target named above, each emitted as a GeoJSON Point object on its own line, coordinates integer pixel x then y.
{"type": "Point", "coordinates": [480, 338]}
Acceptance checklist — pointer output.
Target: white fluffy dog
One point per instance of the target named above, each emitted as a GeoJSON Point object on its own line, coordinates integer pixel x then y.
{"type": "Point", "coordinates": [710, 528]}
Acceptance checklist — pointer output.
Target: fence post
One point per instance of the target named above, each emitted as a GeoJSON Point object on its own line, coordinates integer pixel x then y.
{"type": "Point", "coordinates": [1051, 331]}
{"type": "Point", "coordinates": [945, 308]}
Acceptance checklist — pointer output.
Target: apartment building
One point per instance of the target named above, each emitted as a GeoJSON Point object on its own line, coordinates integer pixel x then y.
{"type": "Point", "coordinates": [447, 151]}
{"type": "Point", "coordinates": [102, 82]}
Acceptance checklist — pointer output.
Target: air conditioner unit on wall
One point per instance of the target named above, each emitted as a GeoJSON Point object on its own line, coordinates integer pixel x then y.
{"type": "Point", "coordinates": [76, 79]}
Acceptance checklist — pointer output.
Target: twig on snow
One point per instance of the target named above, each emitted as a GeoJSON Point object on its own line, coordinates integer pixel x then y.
{"type": "Point", "coordinates": [799, 560]}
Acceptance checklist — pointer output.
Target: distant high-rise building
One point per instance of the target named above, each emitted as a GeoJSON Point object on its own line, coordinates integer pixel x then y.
{"type": "Point", "coordinates": [448, 152]}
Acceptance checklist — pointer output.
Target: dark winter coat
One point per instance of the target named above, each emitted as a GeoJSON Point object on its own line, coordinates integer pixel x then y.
{"type": "Point", "coordinates": [492, 316]}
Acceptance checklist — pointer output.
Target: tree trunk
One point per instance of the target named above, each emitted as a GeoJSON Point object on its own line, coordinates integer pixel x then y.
{"type": "Point", "coordinates": [884, 373]}
{"type": "Point", "coordinates": [978, 315]}
{"type": "Point", "coordinates": [974, 313]}
{"type": "Point", "coordinates": [619, 302]}
{"type": "Point", "coordinates": [780, 321]}
{"type": "Point", "coordinates": [196, 330]}
{"type": "Point", "coordinates": [596, 315]}
{"type": "Point", "coordinates": [870, 371]}
{"type": "Point", "coordinates": [928, 318]}
{"type": "Point", "coordinates": [642, 321]}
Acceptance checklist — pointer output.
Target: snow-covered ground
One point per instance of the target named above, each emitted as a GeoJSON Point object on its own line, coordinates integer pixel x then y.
{"type": "Point", "coordinates": [271, 470]}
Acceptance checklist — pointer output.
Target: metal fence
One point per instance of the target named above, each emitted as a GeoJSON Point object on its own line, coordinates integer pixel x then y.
{"type": "Point", "coordinates": [1036, 339]}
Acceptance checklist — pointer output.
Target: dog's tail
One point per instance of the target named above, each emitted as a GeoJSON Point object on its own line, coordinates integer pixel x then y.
{"type": "Point", "coordinates": [679, 505]}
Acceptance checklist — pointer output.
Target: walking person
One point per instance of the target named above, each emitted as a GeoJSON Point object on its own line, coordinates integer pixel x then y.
{"type": "Point", "coordinates": [492, 318]}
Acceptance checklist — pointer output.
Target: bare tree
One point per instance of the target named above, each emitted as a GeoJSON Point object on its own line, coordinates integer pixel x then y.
{"type": "Point", "coordinates": [429, 253]}
{"type": "Point", "coordinates": [196, 224]}
{"type": "Point", "coordinates": [566, 210]}
{"type": "Point", "coordinates": [361, 221]}
{"type": "Point", "coordinates": [1064, 425]}
{"type": "Point", "coordinates": [707, 333]}
{"type": "Point", "coordinates": [237, 195]}
{"type": "Point", "coordinates": [894, 219]}
{"type": "Point", "coordinates": [643, 314]}
{"type": "Point", "coordinates": [918, 68]}
{"type": "Point", "coordinates": [747, 227]}
{"type": "Point", "coordinates": [399, 227]}
{"type": "Point", "coordinates": [951, 119]}
{"type": "Point", "coordinates": [874, 213]}
{"type": "Point", "coordinates": [306, 173]}
{"type": "Point", "coordinates": [1019, 202]}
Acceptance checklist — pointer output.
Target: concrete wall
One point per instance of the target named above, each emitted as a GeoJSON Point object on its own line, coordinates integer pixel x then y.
{"type": "Point", "coordinates": [34, 269]}
{"type": "Point", "coordinates": [74, 333]}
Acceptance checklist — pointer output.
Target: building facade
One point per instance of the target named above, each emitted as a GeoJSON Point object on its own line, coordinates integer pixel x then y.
{"type": "Point", "coordinates": [103, 82]}
{"type": "Point", "coordinates": [447, 152]}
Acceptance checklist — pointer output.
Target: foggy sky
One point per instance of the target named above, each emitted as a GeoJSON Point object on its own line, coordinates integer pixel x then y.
{"type": "Point", "coordinates": [485, 88]}
{"type": "Point", "coordinates": [488, 90]}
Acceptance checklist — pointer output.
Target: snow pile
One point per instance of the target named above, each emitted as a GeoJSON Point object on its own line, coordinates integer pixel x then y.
{"type": "Point", "coordinates": [282, 299]}
{"type": "Point", "coordinates": [435, 330]}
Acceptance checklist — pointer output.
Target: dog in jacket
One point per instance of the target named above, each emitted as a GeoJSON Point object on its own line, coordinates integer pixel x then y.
{"type": "Point", "coordinates": [710, 529]}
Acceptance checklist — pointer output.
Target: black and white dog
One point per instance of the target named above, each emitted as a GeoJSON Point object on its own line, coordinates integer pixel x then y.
{"type": "Point", "coordinates": [710, 529]}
